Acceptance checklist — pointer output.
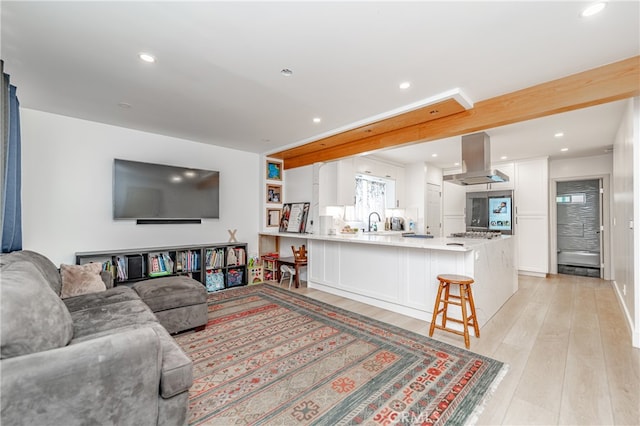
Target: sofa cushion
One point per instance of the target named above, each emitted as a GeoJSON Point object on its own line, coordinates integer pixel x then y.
{"type": "Point", "coordinates": [92, 300]}
{"type": "Point", "coordinates": [171, 292]}
{"type": "Point", "coordinates": [91, 323]}
{"type": "Point", "coordinates": [33, 318]}
{"type": "Point", "coordinates": [81, 279]}
{"type": "Point", "coordinates": [42, 263]}
{"type": "Point", "coordinates": [104, 319]}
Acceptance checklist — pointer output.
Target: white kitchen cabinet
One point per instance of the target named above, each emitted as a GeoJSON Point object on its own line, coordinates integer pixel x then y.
{"type": "Point", "coordinates": [531, 200]}
{"type": "Point", "coordinates": [532, 187]}
{"type": "Point", "coordinates": [453, 208]}
{"type": "Point", "coordinates": [346, 183]}
{"type": "Point", "coordinates": [533, 245]}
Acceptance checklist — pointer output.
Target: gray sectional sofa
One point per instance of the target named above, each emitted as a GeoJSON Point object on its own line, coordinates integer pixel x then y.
{"type": "Point", "coordinates": [101, 358]}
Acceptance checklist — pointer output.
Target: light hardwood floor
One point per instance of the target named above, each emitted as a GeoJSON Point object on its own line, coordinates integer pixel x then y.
{"type": "Point", "coordinates": [568, 348]}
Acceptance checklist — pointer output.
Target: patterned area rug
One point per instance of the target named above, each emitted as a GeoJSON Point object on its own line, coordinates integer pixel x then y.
{"type": "Point", "coordinates": [269, 356]}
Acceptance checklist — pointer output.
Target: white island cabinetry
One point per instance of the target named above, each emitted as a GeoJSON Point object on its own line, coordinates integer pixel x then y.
{"type": "Point", "coordinates": [399, 274]}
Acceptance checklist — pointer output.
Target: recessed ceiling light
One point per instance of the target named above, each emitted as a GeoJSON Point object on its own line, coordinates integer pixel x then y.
{"type": "Point", "coordinates": [317, 120]}
{"type": "Point", "coordinates": [147, 57]}
{"type": "Point", "coordinates": [176, 179]}
{"type": "Point", "coordinates": [405, 85]}
{"type": "Point", "coordinates": [504, 157]}
{"type": "Point", "coordinates": [456, 164]}
{"type": "Point", "coordinates": [559, 134]}
{"type": "Point", "coordinates": [124, 105]}
{"type": "Point", "coordinates": [286, 72]}
{"type": "Point", "coordinates": [564, 149]}
{"type": "Point", "coordinates": [593, 9]}
{"type": "Point", "coordinates": [434, 155]}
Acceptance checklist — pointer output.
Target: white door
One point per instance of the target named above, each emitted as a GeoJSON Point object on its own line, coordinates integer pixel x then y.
{"type": "Point", "coordinates": [433, 223]}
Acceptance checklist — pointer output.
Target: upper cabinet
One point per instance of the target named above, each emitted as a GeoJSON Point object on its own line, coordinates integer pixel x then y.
{"type": "Point", "coordinates": [346, 183]}
{"type": "Point", "coordinates": [338, 180]}
{"type": "Point", "coordinates": [532, 187]}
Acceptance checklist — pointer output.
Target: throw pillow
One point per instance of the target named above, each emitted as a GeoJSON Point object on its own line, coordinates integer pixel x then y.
{"type": "Point", "coordinates": [81, 279]}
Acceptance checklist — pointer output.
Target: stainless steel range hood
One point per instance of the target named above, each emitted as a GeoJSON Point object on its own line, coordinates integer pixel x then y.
{"type": "Point", "coordinates": [476, 162]}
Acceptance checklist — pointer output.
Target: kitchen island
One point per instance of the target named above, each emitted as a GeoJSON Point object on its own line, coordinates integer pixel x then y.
{"type": "Point", "coordinates": [399, 273]}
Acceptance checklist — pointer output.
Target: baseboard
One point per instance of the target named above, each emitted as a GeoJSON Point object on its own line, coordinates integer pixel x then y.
{"type": "Point", "coordinates": [635, 334]}
{"type": "Point", "coordinates": [533, 274]}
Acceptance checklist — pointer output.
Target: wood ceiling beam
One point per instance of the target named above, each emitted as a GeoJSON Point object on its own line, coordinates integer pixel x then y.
{"type": "Point", "coordinates": [608, 83]}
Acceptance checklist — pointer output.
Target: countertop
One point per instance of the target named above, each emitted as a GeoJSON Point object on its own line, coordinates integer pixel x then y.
{"type": "Point", "coordinates": [391, 238]}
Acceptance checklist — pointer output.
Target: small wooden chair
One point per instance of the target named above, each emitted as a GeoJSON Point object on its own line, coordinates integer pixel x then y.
{"type": "Point", "coordinates": [299, 255]}
{"type": "Point", "coordinates": [300, 259]}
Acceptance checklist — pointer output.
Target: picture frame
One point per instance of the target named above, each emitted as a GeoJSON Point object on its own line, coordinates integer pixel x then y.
{"type": "Point", "coordinates": [294, 217]}
{"type": "Point", "coordinates": [274, 170]}
{"type": "Point", "coordinates": [274, 194]}
{"type": "Point", "coordinates": [273, 217]}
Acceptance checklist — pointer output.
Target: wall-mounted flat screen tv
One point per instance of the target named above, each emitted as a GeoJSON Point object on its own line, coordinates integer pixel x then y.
{"type": "Point", "coordinates": [163, 192]}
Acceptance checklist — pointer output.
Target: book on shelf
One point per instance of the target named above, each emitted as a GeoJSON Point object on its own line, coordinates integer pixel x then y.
{"type": "Point", "coordinates": [109, 266]}
{"type": "Point", "coordinates": [121, 269]}
{"type": "Point", "coordinates": [214, 258]}
{"type": "Point", "coordinates": [160, 264]}
{"type": "Point", "coordinates": [190, 260]}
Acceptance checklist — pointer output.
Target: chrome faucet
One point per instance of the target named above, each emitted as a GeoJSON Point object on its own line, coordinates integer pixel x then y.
{"type": "Point", "coordinates": [372, 213]}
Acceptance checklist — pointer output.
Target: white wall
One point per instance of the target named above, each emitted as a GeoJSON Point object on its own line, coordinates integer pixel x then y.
{"type": "Point", "coordinates": [67, 168]}
{"type": "Point", "coordinates": [585, 167]}
{"type": "Point", "coordinates": [626, 195]}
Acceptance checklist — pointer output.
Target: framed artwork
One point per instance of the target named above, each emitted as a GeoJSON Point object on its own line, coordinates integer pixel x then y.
{"type": "Point", "coordinates": [274, 170]}
{"type": "Point", "coordinates": [274, 194]}
{"type": "Point", "coordinates": [273, 217]}
{"type": "Point", "coordinates": [294, 217]}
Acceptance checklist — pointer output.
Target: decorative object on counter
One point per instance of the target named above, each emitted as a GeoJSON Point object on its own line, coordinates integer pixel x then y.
{"type": "Point", "coordinates": [274, 170]}
{"type": "Point", "coordinates": [348, 230]}
{"type": "Point", "coordinates": [466, 296]}
{"type": "Point", "coordinates": [364, 370]}
{"type": "Point", "coordinates": [294, 217]}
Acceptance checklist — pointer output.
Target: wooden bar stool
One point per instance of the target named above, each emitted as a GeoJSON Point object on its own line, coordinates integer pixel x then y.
{"type": "Point", "coordinates": [446, 280]}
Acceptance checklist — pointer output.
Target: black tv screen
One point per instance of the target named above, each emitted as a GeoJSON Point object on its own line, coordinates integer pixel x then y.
{"type": "Point", "coordinates": [158, 191]}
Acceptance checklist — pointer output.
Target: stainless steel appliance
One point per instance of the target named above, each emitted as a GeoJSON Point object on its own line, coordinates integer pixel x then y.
{"type": "Point", "coordinates": [476, 234]}
{"type": "Point", "coordinates": [397, 224]}
{"type": "Point", "coordinates": [489, 211]}
{"type": "Point", "coordinates": [476, 162]}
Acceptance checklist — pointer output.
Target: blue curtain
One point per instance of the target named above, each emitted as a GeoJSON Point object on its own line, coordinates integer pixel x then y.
{"type": "Point", "coordinates": [11, 169]}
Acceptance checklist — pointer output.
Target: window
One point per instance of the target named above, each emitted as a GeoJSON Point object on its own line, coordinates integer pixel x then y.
{"type": "Point", "coordinates": [579, 198]}
{"type": "Point", "coordinates": [372, 195]}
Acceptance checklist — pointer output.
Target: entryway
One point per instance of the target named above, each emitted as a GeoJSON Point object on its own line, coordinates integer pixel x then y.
{"type": "Point", "coordinates": [579, 227]}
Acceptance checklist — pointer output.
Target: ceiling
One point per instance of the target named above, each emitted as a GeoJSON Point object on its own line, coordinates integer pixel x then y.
{"type": "Point", "coordinates": [217, 78]}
